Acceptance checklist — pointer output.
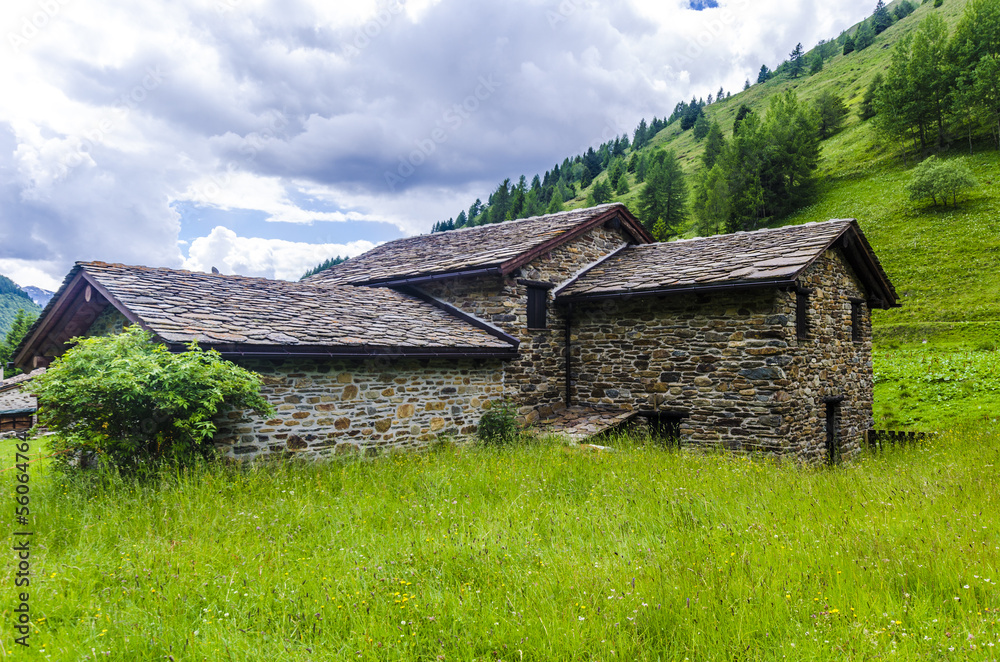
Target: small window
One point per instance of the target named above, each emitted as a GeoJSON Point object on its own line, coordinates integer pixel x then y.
{"type": "Point", "coordinates": [802, 315]}
{"type": "Point", "coordinates": [857, 320]}
{"type": "Point", "coordinates": [538, 299]}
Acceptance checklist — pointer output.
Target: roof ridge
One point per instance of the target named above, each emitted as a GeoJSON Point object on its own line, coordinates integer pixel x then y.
{"type": "Point", "coordinates": [467, 228]}
{"type": "Point", "coordinates": [238, 277]}
{"type": "Point", "coordinates": [743, 233]}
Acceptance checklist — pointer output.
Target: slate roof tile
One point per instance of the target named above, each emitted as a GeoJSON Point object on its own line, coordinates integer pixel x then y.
{"type": "Point", "coordinates": [741, 258]}
{"type": "Point", "coordinates": [480, 247]}
{"type": "Point", "coordinates": [257, 311]}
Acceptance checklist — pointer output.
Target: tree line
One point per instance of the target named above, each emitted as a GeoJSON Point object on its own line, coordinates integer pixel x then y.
{"type": "Point", "coordinates": [617, 158]}
{"type": "Point", "coordinates": [942, 87]}
{"type": "Point", "coordinates": [800, 62]}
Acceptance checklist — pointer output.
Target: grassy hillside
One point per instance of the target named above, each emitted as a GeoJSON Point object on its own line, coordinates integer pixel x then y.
{"type": "Point", "coordinates": [534, 553]}
{"type": "Point", "coordinates": [936, 356]}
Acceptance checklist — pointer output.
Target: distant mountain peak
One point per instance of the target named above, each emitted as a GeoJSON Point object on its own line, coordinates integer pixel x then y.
{"type": "Point", "coordinates": [38, 295]}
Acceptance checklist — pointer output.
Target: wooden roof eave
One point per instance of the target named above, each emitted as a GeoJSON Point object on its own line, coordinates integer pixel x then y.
{"type": "Point", "coordinates": [58, 312]}
{"type": "Point", "coordinates": [864, 262]}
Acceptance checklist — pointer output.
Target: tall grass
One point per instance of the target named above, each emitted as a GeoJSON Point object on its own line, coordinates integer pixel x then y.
{"type": "Point", "coordinates": [534, 553]}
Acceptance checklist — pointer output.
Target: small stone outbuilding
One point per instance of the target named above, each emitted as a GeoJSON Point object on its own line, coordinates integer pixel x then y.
{"type": "Point", "coordinates": [18, 407]}
{"type": "Point", "coordinates": [756, 341]}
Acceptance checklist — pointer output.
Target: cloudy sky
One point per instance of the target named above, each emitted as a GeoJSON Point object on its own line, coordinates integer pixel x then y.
{"type": "Point", "coordinates": [263, 136]}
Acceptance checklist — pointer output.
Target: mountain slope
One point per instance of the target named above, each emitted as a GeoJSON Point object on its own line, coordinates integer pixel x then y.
{"type": "Point", "coordinates": [12, 299]}
{"type": "Point", "coordinates": [38, 295]}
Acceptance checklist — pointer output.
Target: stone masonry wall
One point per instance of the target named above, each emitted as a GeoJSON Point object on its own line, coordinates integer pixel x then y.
{"type": "Point", "coordinates": [831, 364]}
{"type": "Point", "coordinates": [108, 323]}
{"type": "Point", "coordinates": [332, 407]}
{"type": "Point", "coordinates": [733, 364]}
{"type": "Point", "coordinates": [536, 379]}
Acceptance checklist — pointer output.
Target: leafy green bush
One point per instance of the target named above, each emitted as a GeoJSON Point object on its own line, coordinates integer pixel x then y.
{"type": "Point", "coordinates": [134, 403]}
{"type": "Point", "coordinates": [939, 180]}
{"type": "Point", "coordinates": [498, 426]}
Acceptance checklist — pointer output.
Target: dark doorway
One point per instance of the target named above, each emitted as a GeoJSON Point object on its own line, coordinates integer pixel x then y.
{"type": "Point", "coordinates": [833, 430]}
{"type": "Point", "coordinates": [665, 426]}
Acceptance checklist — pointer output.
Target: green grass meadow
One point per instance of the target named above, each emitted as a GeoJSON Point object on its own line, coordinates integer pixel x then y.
{"type": "Point", "coordinates": [541, 552]}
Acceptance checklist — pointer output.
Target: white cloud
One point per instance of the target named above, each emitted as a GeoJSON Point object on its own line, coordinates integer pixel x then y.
{"type": "Point", "coordinates": [298, 108]}
{"type": "Point", "coordinates": [245, 190]}
{"type": "Point", "coordinates": [265, 258]}
{"type": "Point", "coordinates": [26, 273]}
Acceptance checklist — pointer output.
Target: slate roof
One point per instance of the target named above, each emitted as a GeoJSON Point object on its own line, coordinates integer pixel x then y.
{"type": "Point", "coordinates": [503, 246]}
{"type": "Point", "coordinates": [214, 309]}
{"type": "Point", "coordinates": [12, 382]}
{"type": "Point", "coordinates": [744, 259]}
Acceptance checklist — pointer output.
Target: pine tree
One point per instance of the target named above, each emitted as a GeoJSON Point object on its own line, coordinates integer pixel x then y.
{"type": "Point", "coordinates": [817, 63]}
{"type": "Point", "coordinates": [665, 193]}
{"type": "Point", "coordinates": [691, 115]}
{"type": "Point", "coordinates": [986, 90]}
{"type": "Point", "coordinates": [831, 112]}
{"type": "Point", "coordinates": [741, 115]}
{"type": "Point", "coordinates": [623, 186]}
{"type": "Point", "coordinates": [764, 75]}
{"type": "Point", "coordinates": [746, 85]}
{"type": "Point", "coordinates": [602, 192]}
{"type": "Point", "coordinates": [701, 127]}
{"type": "Point", "coordinates": [881, 19]}
{"type": "Point", "coordinates": [659, 231]}
{"type": "Point", "coordinates": [499, 203]}
{"type": "Point", "coordinates": [867, 109]}
{"type": "Point", "coordinates": [977, 34]}
{"type": "Point", "coordinates": [714, 202]}
{"type": "Point", "coordinates": [848, 45]}
{"type": "Point", "coordinates": [865, 36]}
{"type": "Point", "coordinates": [904, 9]}
{"type": "Point", "coordinates": [19, 328]}
{"type": "Point", "coordinates": [556, 204]}
{"type": "Point", "coordinates": [714, 144]}
{"type": "Point", "coordinates": [795, 63]}
{"type": "Point", "coordinates": [930, 73]}
{"type": "Point", "coordinates": [641, 168]}
{"type": "Point", "coordinates": [640, 137]}
{"type": "Point", "coordinates": [615, 172]}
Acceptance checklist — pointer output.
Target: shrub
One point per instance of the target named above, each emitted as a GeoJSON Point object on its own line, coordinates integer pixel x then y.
{"type": "Point", "coordinates": [939, 180]}
{"type": "Point", "coordinates": [498, 426]}
{"type": "Point", "coordinates": [134, 403]}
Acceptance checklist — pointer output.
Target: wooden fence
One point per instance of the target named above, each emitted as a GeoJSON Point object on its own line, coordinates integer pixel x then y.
{"type": "Point", "coordinates": [877, 440]}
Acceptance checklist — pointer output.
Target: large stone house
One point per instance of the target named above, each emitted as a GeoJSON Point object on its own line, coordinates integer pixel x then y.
{"type": "Point", "coordinates": [756, 341]}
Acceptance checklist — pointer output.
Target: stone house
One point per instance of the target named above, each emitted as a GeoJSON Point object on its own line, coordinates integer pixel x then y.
{"type": "Point", "coordinates": [17, 406]}
{"type": "Point", "coordinates": [756, 341]}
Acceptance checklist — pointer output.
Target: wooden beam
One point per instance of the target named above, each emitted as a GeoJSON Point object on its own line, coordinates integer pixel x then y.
{"type": "Point", "coordinates": [122, 308]}
{"type": "Point", "coordinates": [56, 335]}
{"type": "Point", "coordinates": [65, 299]}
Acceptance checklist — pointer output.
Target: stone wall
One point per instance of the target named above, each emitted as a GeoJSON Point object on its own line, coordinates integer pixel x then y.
{"type": "Point", "coordinates": [732, 363]}
{"type": "Point", "coordinates": [832, 365]}
{"type": "Point", "coordinates": [536, 379]}
{"type": "Point", "coordinates": [110, 322]}
{"type": "Point", "coordinates": [330, 407]}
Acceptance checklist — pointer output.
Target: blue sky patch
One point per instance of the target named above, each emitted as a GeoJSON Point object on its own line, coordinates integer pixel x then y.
{"type": "Point", "coordinates": [198, 221]}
